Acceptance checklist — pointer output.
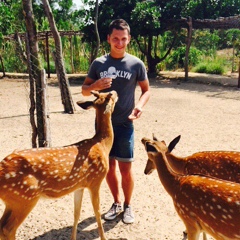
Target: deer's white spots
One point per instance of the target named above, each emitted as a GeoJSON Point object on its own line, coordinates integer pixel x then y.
{"type": "Point", "coordinates": [208, 202]}
{"type": "Point", "coordinates": [7, 175]}
{"type": "Point", "coordinates": [54, 172]}
{"type": "Point", "coordinates": [212, 215]}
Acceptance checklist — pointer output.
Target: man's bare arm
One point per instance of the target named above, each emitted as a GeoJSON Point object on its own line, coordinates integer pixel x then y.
{"type": "Point", "coordinates": [100, 84]}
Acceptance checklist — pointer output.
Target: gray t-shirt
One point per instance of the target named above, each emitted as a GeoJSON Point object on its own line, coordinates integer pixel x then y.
{"type": "Point", "coordinates": [126, 72]}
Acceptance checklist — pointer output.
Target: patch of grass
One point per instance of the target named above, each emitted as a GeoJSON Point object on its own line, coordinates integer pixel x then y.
{"type": "Point", "coordinates": [211, 66]}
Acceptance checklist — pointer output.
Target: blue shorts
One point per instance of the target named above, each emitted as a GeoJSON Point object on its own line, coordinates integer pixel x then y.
{"type": "Point", "coordinates": [123, 144]}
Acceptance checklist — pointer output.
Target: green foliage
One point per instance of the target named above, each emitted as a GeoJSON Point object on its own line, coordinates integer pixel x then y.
{"type": "Point", "coordinates": [177, 57]}
{"type": "Point", "coordinates": [233, 40]}
{"type": "Point", "coordinates": [211, 9]}
{"type": "Point", "coordinates": [145, 19]}
{"type": "Point", "coordinates": [207, 41]}
{"type": "Point", "coordinates": [211, 66]}
{"type": "Point", "coordinates": [51, 66]}
{"type": "Point", "coordinates": [171, 8]}
{"type": "Point", "coordinates": [12, 62]}
{"type": "Point", "coordinates": [11, 17]}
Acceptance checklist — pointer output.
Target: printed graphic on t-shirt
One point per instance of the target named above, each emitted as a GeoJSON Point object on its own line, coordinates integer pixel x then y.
{"type": "Point", "coordinates": [113, 73]}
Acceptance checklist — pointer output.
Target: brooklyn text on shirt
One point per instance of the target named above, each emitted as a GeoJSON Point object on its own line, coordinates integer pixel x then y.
{"type": "Point", "coordinates": [114, 73]}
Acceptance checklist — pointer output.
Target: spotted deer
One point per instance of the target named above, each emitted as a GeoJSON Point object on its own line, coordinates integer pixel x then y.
{"type": "Point", "coordinates": [220, 164]}
{"type": "Point", "coordinates": [28, 175]}
{"type": "Point", "coordinates": [205, 204]}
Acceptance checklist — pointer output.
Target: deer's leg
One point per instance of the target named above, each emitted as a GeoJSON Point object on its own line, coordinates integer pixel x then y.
{"type": "Point", "coordinates": [13, 217]}
{"type": "Point", "coordinates": [3, 221]}
{"type": "Point", "coordinates": [78, 195]}
{"type": "Point", "coordinates": [193, 232]}
{"type": "Point", "coordinates": [204, 236]}
{"type": "Point", "coordinates": [95, 197]}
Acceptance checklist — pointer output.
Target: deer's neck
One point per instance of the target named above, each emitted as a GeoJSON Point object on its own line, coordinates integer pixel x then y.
{"type": "Point", "coordinates": [169, 179]}
{"type": "Point", "coordinates": [176, 163]}
{"type": "Point", "coordinates": [104, 129]}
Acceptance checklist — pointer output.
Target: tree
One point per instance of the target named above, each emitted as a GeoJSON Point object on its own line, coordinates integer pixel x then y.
{"type": "Point", "coordinates": [205, 9]}
{"type": "Point", "coordinates": [9, 22]}
{"type": "Point", "coordinates": [143, 18]}
{"type": "Point", "coordinates": [96, 32]}
{"type": "Point", "coordinates": [59, 63]}
{"type": "Point", "coordinates": [146, 29]}
{"type": "Point", "coordinates": [34, 70]}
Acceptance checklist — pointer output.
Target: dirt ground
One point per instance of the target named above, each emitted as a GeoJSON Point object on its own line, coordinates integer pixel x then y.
{"type": "Point", "coordinates": [205, 115]}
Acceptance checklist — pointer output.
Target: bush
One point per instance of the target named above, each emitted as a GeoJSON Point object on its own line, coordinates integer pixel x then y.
{"type": "Point", "coordinates": [215, 66]}
{"type": "Point", "coordinates": [200, 68]}
{"type": "Point", "coordinates": [177, 58]}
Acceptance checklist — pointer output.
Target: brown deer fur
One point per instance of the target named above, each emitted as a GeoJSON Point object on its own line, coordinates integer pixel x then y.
{"type": "Point", "coordinates": [220, 164]}
{"type": "Point", "coordinates": [205, 204]}
{"type": "Point", "coordinates": [28, 175]}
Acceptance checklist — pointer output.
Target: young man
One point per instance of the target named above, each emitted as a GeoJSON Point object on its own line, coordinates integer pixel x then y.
{"type": "Point", "coordinates": [121, 72]}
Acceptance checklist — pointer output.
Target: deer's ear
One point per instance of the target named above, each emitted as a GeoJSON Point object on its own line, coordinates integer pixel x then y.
{"type": "Point", "coordinates": [154, 137]}
{"type": "Point", "coordinates": [95, 93]}
{"type": "Point", "coordinates": [151, 155]}
{"type": "Point", "coordinates": [173, 143]}
{"type": "Point", "coordinates": [150, 147]}
{"type": "Point", "coordinates": [85, 105]}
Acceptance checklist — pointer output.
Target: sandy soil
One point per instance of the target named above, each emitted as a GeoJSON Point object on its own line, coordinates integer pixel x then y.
{"type": "Point", "coordinates": [206, 116]}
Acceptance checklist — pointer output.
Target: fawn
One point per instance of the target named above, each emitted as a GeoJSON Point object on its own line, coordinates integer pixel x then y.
{"type": "Point", "coordinates": [205, 204]}
{"type": "Point", "coordinates": [220, 164]}
{"type": "Point", "coordinates": [28, 175]}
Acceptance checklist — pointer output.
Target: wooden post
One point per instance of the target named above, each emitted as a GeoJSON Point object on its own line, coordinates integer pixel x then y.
{"type": "Point", "coordinates": [31, 94]}
{"type": "Point", "coordinates": [239, 73]}
{"type": "Point", "coordinates": [3, 69]}
{"type": "Point", "coordinates": [46, 127]}
{"type": "Point", "coordinates": [47, 50]}
{"type": "Point", "coordinates": [188, 44]}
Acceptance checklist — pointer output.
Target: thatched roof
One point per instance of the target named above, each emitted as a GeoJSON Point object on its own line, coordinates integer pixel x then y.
{"type": "Point", "coordinates": [42, 35]}
{"type": "Point", "coordinates": [220, 23]}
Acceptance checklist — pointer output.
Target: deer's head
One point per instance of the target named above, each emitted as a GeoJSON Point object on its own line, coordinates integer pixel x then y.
{"type": "Point", "coordinates": [105, 101]}
{"type": "Point", "coordinates": [157, 146]}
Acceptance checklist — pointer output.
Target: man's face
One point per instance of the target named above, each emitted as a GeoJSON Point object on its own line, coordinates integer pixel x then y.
{"type": "Point", "coordinates": [118, 41]}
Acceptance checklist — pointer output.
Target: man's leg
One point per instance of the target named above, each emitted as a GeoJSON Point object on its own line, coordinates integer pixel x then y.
{"type": "Point", "coordinates": [127, 180]}
{"type": "Point", "coordinates": [127, 185]}
{"type": "Point", "coordinates": [112, 181]}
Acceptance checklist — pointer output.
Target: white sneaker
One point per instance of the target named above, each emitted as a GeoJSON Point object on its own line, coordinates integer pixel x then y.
{"type": "Point", "coordinates": [113, 212]}
{"type": "Point", "coordinates": [128, 216]}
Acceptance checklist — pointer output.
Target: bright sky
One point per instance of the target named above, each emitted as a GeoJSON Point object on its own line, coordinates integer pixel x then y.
{"type": "Point", "coordinates": [78, 3]}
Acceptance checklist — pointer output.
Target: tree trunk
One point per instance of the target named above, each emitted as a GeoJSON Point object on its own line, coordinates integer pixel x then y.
{"type": "Point", "coordinates": [31, 94]}
{"type": "Point", "coordinates": [59, 63]}
{"type": "Point", "coordinates": [153, 61]}
{"type": "Point", "coordinates": [188, 45]}
{"type": "Point", "coordinates": [239, 73]}
{"type": "Point", "coordinates": [34, 69]}
{"type": "Point", "coordinates": [95, 53]}
{"type": "Point", "coordinates": [3, 69]}
{"type": "Point", "coordinates": [71, 54]}
{"type": "Point", "coordinates": [20, 48]}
